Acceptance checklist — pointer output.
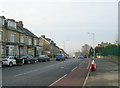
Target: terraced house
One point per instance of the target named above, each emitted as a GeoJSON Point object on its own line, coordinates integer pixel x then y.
{"type": "Point", "coordinates": [49, 47]}
{"type": "Point", "coordinates": [1, 34]}
{"type": "Point", "coordinates": [17, 40]}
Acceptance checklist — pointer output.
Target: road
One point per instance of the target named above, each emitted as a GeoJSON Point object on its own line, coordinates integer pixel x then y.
{"type": "Point", "coordinates": [45, 73]}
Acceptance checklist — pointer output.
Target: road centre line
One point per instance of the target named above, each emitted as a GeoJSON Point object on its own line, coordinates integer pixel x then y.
{"type": "Point", "coordinates": [74, 68]}
{"type": "Point", "coordinates": [26, 72]}
{"type": "Point", "coordinates": [58, 80]}
{"type": "Point", "coordinates": [37, 70]}
{"type": "Point", "coordinates": [34, 70]}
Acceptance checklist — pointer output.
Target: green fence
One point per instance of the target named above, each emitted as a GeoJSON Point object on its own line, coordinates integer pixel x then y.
{"type": "Point", "coordinates": [111, 50]}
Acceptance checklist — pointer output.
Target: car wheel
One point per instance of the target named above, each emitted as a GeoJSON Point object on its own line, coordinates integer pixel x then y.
{"type": "Point", "coordinates": [10, 64]}
{"type": "Point", "coordinates": [28, 62]}
{"type": "Point", "coordinates": [23, 61]}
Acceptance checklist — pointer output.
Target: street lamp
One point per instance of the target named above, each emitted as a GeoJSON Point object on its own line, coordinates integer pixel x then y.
{"type": "Point", "coordinates": [93, 42]}
{"type": "Point", "coordinates": [64, 44]}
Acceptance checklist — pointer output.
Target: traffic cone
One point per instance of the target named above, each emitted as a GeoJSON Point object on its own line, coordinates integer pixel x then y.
{"type": "Point", "coordinates": [93, 66]}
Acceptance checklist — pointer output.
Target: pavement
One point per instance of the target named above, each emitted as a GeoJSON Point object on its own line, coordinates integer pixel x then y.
{"type": "Point", "coordinates": [105, 76]}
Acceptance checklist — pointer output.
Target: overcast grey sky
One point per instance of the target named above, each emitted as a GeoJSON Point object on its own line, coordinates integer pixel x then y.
{"type": "Point", "coordinates": [68, 20]}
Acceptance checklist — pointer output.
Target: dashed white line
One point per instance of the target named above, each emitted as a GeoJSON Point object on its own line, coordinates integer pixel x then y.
{"type": "Point", "coordinates": [58, 80]}
{"type": "Point", "coordinates": [74, 68]}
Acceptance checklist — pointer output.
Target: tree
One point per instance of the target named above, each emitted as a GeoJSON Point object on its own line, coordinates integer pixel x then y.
{"type": "Point", "coordinates": [91, 52]}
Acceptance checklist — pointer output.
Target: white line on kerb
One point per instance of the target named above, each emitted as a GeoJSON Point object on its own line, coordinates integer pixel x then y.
{"type": "Point", "coordinates": [88, 65]}
{"type": "Point", "coordinates": [58, 80]}
{"type": "Point", "coordinates": [74, 68]}
{"type": "Point", "coordinates": [86, 77]}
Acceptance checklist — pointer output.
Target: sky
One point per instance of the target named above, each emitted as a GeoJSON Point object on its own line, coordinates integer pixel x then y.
{"type": "Point", "coordinates": [66, 20]}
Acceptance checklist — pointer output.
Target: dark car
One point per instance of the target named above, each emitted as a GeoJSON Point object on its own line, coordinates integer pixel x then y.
{"type": "Point", "coordinates": [60, 57]}
{"type": "Point", "coordinates": [28, 59]}
{"type": "Point", "coordinates": [43, 58]}
{"type": "Point", "coordinates": [19, 61]}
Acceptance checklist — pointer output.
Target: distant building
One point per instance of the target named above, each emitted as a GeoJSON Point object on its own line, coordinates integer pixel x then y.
{"type": "Point", "coordinates": [48, 46]}
{"type": "Point", "coordinates": [85, 50]}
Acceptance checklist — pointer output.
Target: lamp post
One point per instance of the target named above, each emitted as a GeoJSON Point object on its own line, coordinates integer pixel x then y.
{"type": "Point", "coordinates": [64, 44]}
{"type": "Point", "coordinates": [93, 34]}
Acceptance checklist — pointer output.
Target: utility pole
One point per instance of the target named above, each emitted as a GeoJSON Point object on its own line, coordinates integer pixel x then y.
{"type": "Point", "coordinates": [64, 44]}
{"type": "Point", "coordinates": [93, 34]}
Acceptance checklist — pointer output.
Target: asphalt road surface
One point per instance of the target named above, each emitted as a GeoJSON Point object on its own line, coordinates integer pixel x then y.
{"type": "Point", "coordinates": [42, 73]}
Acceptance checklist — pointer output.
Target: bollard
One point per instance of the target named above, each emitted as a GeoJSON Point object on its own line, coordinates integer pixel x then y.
{"type": "Point", "coordinates": [93, 66]}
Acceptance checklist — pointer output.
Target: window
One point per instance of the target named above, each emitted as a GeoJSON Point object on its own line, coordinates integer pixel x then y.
{"type": "Point", "coordinates": [0, 36]}
{"type": "Point", "coordinates": [1, 22]}
{"type": "Point", "coordinates": [35, 42]}
{"type": "Point", "coordinates": [11, 24]}
{"type": "Point", "coordinates": [21, 39]}
{"type": "Point", "coordinates": [29, 41]}
{"type": "Point", "coordinates": [12, 39]}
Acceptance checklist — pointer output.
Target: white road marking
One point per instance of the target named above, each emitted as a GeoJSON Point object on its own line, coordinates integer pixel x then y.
{"type": "Point", "coordinates": [74, 68]}
{"type": "Point", "coordinates": [88, 65]}
{"type": "Point", "coordinates": [61, 67]}
{"type": "Point", "coordinates": [58, 80]}
{"type": "Point", "coordinates": [86, 77]}
{"type": "Point", "coordinates": [26, 72]}
{"type": "Point", "coordinates": [39, 69]}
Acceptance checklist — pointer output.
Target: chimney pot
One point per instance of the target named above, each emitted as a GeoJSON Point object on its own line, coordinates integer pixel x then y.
{"type": "Point", "coordinates": [20, 24]}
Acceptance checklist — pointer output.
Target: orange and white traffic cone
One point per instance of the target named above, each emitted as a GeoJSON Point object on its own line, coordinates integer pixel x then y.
{"type": "Point", "coordinates": [93, 66]}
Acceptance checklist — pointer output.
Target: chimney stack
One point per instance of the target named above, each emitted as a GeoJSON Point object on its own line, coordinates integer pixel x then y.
{"type": "Point", "coordinates": [20, 24]}
{"type": "Point", "coordinates": [43, 36]}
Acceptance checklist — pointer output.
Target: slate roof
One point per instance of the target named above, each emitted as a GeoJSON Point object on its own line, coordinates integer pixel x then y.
{"type": "Point", "coordinates": [26, 31]}
{"type": "Point", "coordinates": [49, 40]}
{"type": "Point", "coordinates": [29, 33]}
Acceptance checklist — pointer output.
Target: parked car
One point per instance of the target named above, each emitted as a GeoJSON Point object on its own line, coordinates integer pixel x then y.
{"type": "Point", "coordinates": [28, 59]}
{"type": "Point", "coordinates": [44, 58]}
{"type": "Point", "coordinates": [9, 61]}
{"type": "Point", "coordinates": [60, 57]}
